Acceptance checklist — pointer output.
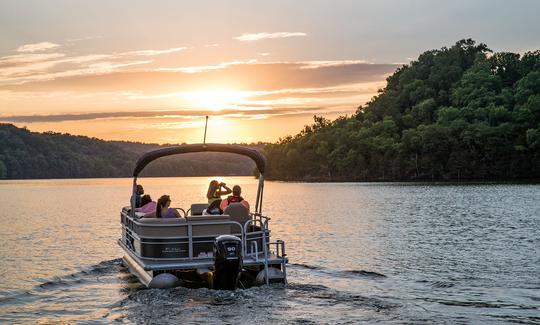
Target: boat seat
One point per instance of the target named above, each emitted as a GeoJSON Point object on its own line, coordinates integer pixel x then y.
{"type": "Point", "coordinates": [197, 208]}
{"type": "Point", "coordinates": [179, 230]}
{"type": "Point", "coordinates": [162, 220]}
{"type": "Point", "coordinates": [237, 212]}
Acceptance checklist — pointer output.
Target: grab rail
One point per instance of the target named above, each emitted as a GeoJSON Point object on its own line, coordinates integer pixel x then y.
{"type": "Point", "coordinates": [256, 254]}
{"type": "Point", "coordinates": [265, 250]}
{"type": "Point", "coordinates": [189, 236]}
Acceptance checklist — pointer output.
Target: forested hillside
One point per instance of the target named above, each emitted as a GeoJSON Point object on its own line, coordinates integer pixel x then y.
{"type": "Point", "coordinates": [25, 154]}
{"type": "Point", "coordinates": [456, 113]}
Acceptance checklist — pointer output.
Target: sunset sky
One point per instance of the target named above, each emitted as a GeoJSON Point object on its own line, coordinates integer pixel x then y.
{"type": "Point", "coordinates": [151, 70]}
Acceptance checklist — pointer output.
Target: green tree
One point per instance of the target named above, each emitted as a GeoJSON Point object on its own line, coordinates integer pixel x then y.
{"type": "Point", "coordinates": [455, 113]}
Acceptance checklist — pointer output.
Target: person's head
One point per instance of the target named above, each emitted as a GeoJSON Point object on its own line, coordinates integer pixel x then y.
{"type": "Point", "coordinates": [139, 190]}
{"type": "Point", "coordinates": [145, 199]}
{"type": "Point", "coordinates": [163, 202]}
{"type": "Point", "coordinates": [237, 190]}
{"type": "Point", "coordinates": [212, 187]}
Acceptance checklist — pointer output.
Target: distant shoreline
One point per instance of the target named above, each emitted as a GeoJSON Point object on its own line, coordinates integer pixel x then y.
{"type": "Point", "coordinates": [532, 181]}
{"type": "Point", "coordinates": [117, 177]}
{"type": "Point", "coordinates": [427, 181]}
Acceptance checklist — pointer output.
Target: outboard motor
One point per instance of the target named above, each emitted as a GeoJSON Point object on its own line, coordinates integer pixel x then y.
{"type": "Point", "coordinates": [227, 262]}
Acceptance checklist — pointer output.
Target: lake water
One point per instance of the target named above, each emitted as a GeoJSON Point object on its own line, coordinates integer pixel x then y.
{"type": "Point", "coordinates": [384, 252]}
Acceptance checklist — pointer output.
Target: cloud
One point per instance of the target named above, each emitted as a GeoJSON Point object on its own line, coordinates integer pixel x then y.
{"type": "Point", "coordinates": [238, 105]}
{"type": "Point", "coordinates": [127, 82]}
{"type": "Point", "coordinates": [323, 64]}
{"type": "Point", "coordinates": [87, 38]}
{"type": "Point", "coordinates": [240, 75]}
{"type": "Point", "coordinates": [159, 114]}
{"type": "Point", "coordinates": [205, 68]}
{"type": "Point", "coordinates": [37, 47]}
{"type": "Point", "coordinates": [301, 64]}
{"type": "Point", "coordinates": [259, 36]}
{"type": "Point", "coordinates": [27, 58]}
{"type": "Point", "coordinates": [350, 90]}
{"type": "Point", "coordinates": [40, 70]}
{"type": "Point", "coordinates": [109, 66]}
{"type": "Point", "coordinates": [27, 66]}
{"type": "Point", "coordinates": [155, 52]}
{"type": "Point", "coordinates": [247, 75]}
{"type": "Point", "coordinates": [130, 72]}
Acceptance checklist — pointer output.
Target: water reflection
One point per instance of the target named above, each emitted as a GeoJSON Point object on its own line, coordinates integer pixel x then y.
{"type": "Point", "coordinates": [359, 252]}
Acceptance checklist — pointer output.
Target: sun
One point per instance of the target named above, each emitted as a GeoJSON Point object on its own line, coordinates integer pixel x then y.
{"type": "Point", "coordinates": [215, 100]}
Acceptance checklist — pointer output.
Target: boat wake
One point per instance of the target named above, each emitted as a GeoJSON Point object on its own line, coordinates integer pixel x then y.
{"type": "Point", "coordinates": [365, 273]}
{"type": "Point", "coordinates": [109, 292]}
{"type": "Point", "coordinates": [88, 274]}
{"type": "Point", "coordinates": [362, 273]}
{"type": "Point", "coordinates": [92, 285]}
{"type": "Point", "coordinates": [254, 305]}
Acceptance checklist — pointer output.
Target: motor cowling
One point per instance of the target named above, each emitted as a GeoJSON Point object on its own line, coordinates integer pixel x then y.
{"type": "Point", "coordinates": [227, 262]}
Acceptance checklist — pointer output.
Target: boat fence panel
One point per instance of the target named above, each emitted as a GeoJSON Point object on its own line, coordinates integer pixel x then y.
{"type": "Point", "coordinates": [185, 244]}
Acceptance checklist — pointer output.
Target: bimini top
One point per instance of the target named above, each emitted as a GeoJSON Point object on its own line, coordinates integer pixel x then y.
{"type": "Point", "coordinates": [148, 157]}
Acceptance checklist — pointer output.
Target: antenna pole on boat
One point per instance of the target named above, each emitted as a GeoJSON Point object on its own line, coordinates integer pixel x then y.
{"type": "Point", "coordinates": [205, 126]}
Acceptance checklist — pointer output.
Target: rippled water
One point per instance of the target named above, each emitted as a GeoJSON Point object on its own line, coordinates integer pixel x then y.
{"type": "Point", "coordinates": [402, 253]}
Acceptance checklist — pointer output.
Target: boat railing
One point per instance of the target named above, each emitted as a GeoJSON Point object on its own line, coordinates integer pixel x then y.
{"type": "Point", "coordinates": [257, 220]}
{"type": "Point", "coordinates": [130, 223]}
{"type": "Point", "coordinates": [263, 222]}
{"type": "Point", "coordinates": [253, 223]}
{"type": "Point", "coordinates": [280, 254]}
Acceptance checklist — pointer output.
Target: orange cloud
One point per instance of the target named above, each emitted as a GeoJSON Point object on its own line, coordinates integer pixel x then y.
{"type": "Point", "coordinates": [37, 47]}
{"type": "Point", "coordinates": [240, 76]}
{"type": "Point", "coordinates": [259, 36]}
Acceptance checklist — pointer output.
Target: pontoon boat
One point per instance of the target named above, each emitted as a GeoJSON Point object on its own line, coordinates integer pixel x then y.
{"type": "Point", "coordinates": [218, 251]}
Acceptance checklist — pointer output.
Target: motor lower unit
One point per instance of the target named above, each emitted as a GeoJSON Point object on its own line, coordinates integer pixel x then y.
{"type": "Point", "coordinates": [227, 262]}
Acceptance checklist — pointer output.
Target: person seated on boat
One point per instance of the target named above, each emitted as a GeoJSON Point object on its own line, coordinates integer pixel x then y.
{"type": "Point", "coordinates": [213, 209]}
{"type": "Point", "coordinates": [235, 198]}
{"type": "Point", "coordinates": [163, 209]}
{"type": "Point", "coordinates": [138, 192]}
{"type": "Point", "coordinates": [216, 190]}
{"type": "Point", "coordinates": [147, 205]}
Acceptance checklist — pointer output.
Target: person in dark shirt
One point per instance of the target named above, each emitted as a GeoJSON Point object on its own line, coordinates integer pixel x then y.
{"type": "Point", "coordinates": [138, 194]}
{"type": "Point", "coordinates": [235, 198]}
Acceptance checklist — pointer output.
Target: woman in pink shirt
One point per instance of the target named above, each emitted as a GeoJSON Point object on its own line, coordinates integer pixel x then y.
{"type": "Point", "coordinates": [147, 205]}
{"type": "Point", "coordinates": [163, 209]}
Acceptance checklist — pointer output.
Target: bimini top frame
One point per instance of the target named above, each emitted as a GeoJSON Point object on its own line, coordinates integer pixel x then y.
{"type": "Point", "coordinates": [255, 155]}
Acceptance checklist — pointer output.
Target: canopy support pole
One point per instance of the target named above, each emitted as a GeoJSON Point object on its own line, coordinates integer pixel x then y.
{"type": "Point", "coordinates": [205, 126]}
{"type": "Point", "coordinates": [258, 200]}
{"type": "Point", "coordinates": [132, 201]}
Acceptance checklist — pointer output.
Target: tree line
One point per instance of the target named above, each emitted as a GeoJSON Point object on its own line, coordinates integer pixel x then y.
{"type": "Point", "coordinates": [461, 112]}
{"type": "Point", "coordinates": [25, 154]}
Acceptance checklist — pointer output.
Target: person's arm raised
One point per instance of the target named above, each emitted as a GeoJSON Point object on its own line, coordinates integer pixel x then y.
{"type": "Point", "coordinates": [227, 190]}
